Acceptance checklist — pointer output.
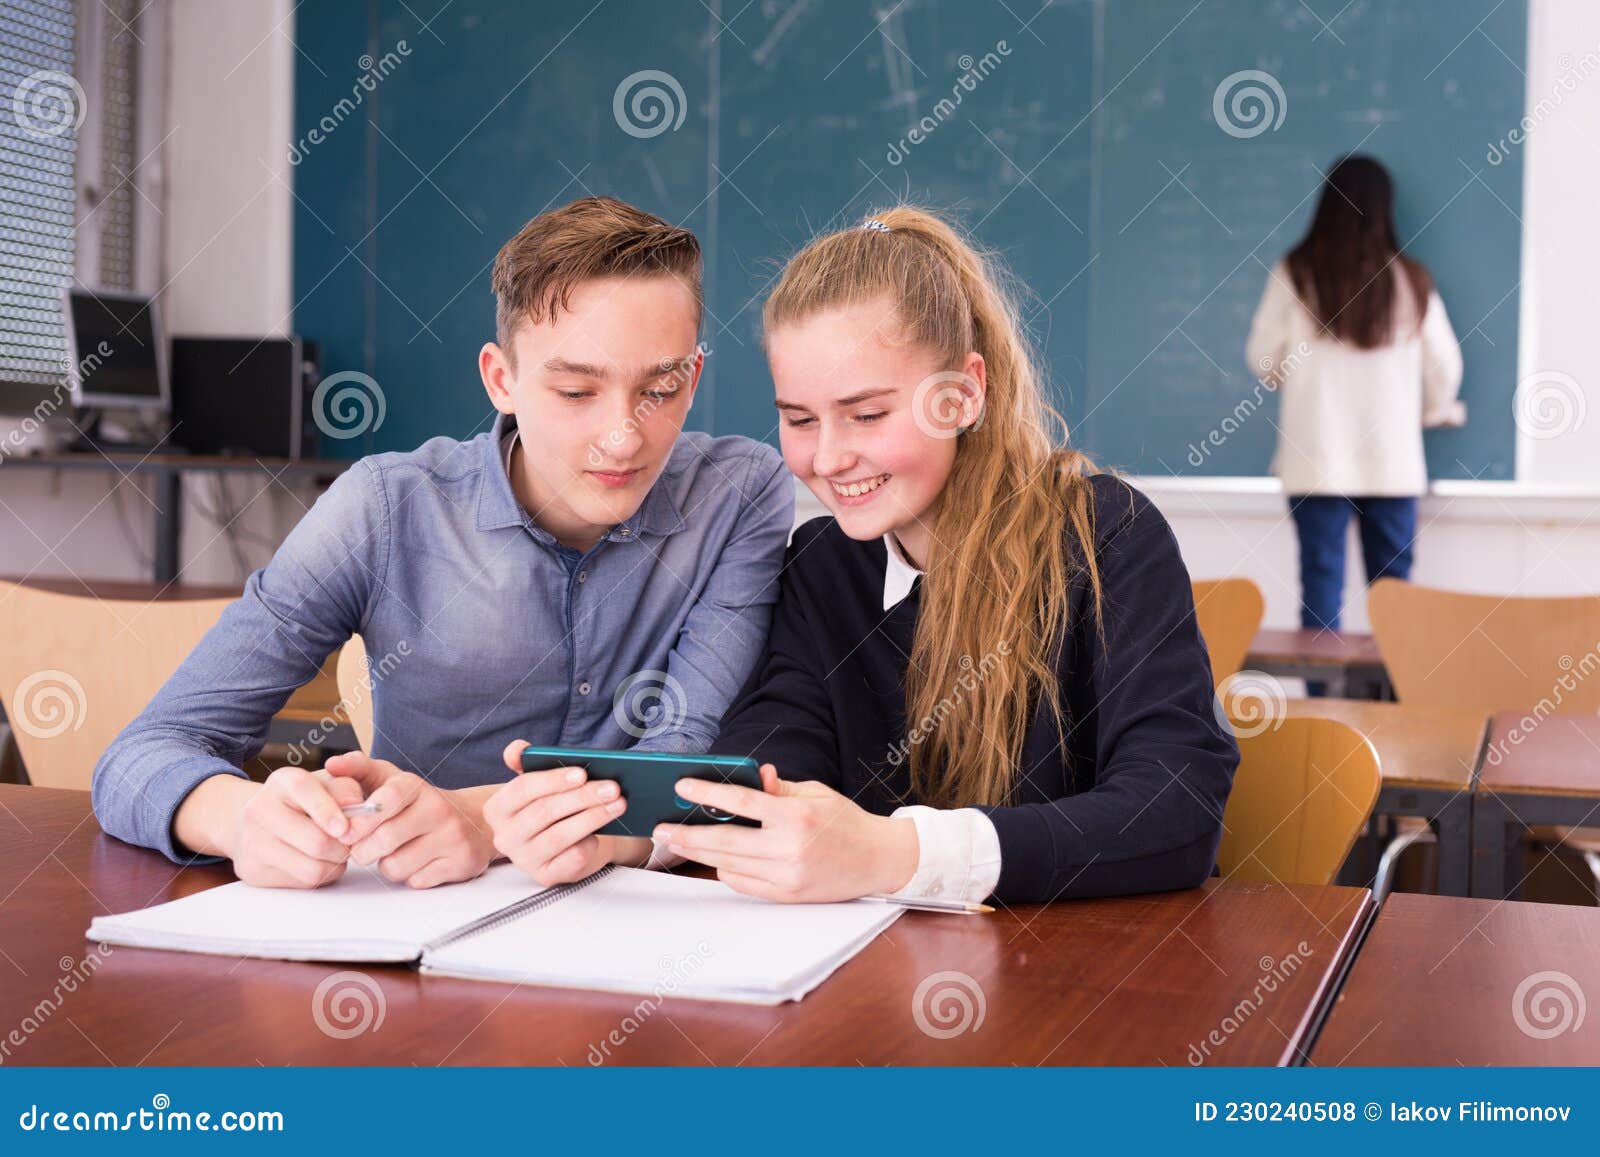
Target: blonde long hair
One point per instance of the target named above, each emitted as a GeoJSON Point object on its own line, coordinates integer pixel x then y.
{"type": "Point", "coordinates": [995, 596]}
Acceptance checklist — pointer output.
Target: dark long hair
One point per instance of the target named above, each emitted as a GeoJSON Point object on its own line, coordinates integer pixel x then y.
{"type": "Point", "coordinates": [1340, 268]}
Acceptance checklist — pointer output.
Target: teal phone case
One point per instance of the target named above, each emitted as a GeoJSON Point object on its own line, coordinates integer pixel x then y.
{"type": "Point", "coordinates": [647, 778]}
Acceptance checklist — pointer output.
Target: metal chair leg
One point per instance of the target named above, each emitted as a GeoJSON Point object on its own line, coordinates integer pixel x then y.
{"type": "Point", "coordinates": [1383, 879]}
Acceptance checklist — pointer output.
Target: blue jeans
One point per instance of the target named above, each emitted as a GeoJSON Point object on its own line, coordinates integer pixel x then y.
{"type": "Point", "coordinates": [1388, 531]}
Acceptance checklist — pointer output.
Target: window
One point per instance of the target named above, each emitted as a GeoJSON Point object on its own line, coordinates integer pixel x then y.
{"type": "Point", "coordinates": [43, 108]}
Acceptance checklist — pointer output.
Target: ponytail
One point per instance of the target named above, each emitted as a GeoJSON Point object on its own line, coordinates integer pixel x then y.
{"type": "Point", "coordinates": [1015, 518]}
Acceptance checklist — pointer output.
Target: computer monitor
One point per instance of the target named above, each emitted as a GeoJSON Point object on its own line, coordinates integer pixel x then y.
{"type": "Point", "coordinates": [116, 350]}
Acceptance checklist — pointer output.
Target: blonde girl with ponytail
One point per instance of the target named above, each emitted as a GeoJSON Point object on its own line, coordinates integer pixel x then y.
{"type": "Point", "coordinates": [984, 675]}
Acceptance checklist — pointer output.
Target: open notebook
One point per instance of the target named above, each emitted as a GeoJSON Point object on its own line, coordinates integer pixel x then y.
{"type": "Point", "coordinates": [622, 930]}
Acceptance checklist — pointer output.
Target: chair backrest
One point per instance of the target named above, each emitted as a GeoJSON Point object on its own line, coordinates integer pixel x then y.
{"type": "Point", "coordinates": [1303, 792]}
{"type": "Point", "coordinates": [1230, 612]}
{"type": "Point", "coordinates": [75, 670]}
{"type": "Point", "coordinates": [355, 689]}
{"type": "Point", "coordinates": [1487, 652]}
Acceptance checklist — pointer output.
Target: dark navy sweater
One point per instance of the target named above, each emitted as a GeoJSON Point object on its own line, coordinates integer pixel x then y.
{"type": "Point", "coordinates": [1132, 804]}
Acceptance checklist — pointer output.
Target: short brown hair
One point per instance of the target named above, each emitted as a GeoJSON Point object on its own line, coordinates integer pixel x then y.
{"type": "Point", "coordinates": [537, 270]}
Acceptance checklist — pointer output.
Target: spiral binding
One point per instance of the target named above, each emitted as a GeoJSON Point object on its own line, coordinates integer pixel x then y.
{"type": "Point", "coordinates": [516, 911]}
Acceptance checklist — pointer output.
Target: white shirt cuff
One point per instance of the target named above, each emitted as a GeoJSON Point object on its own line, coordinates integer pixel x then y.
{"type": "Point", "coordinates": [661, 858]}
{"type": "Point", "coordinates": [958, 854]}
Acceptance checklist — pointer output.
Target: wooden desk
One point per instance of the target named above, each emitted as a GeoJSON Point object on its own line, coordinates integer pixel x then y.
{"type": "Point", "coordinates": [1451, 981]}
{"type": "Point", "coordinates": [1347, 662]}
{"type": "Point", "coordinates": [1534, 772]}
{"type": "Point", "coordinates": [1428, 756]}
{"type": "Point", "coordinates": [167, 471]}
{"type": "Point", "coordinates": [1141, 980]}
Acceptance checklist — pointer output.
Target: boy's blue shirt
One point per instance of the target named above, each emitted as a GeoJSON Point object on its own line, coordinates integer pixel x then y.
{"type": "Point", "coordinates": [476, 631]}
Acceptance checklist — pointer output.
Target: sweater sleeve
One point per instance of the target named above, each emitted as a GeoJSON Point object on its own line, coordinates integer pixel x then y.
{"type": "Point", "coordinates": [1441, 368]}
{"type": "Point", "coordinates": [1152, 820]}
{"type": "Point", "coordinates": [783, 715]}
{"type": "Point", "coordinates": [1269, 329]}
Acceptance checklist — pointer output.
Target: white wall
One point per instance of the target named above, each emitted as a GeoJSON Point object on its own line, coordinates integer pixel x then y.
{"type": "Point", "coordinates": [218, 118]}
{"type": "Point", "coordinates": [1561, 233]}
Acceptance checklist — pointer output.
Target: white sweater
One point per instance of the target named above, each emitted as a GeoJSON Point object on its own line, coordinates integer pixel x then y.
{"type": "Point", "coordinates": [1351, 420]}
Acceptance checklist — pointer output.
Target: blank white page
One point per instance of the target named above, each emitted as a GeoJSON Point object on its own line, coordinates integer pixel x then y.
{"type": "Point", "coordinates": [361, 917]}
{"type": "Point", "coordinates": [648, 932]}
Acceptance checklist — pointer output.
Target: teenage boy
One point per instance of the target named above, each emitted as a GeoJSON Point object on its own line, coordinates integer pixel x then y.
{"type": "Point", "coordinates": [585, 574]}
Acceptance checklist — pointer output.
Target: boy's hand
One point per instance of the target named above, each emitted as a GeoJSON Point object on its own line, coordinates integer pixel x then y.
{"type": "Point", "coordinates": [545, 821]}
{"type": "Point", "coordinates": [422, 835]}
{"type": "Point", "coordinates": [286, 832]}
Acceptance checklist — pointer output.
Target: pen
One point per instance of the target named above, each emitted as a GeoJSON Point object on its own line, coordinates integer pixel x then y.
{"type": "Point", "coordinates": [962, 907]}
{"type": "Point", "coordinates": [361, 809]}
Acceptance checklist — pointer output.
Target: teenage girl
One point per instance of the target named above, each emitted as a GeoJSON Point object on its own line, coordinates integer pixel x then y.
{"type": "Point", "coordinates": [984, 674]}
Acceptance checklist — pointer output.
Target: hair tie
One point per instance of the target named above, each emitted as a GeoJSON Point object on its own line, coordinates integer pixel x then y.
{"type": "Point", "coordinates": [876, 226]}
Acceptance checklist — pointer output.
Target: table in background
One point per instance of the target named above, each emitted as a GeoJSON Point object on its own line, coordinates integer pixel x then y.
{"type": "Point", "coordinates": [1548, 773]}
{"type": "Point", "coordinates": [1428, 756]}
{"type": "Point", "coordinates": [167, 471]}
{"type": "Point", "coordinates": [1137, 980]}
{"type": "Point", "coordinates": [1445, 980]}
{"type": "Point", "coordinates": [1346, 663]}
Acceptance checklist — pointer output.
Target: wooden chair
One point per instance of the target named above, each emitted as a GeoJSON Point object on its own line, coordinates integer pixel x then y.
{"type": "Point", "coordinates": [1491, 653]}
{"type": "Point", "coordinates": [74, 671]}
{"type": "Point", "coordinates": [1230, 612]}
{"type": "Point", "coordinates": [355, 689]}
{"type": "Point", "coordinates": [1487, 652]}
{"type": "Point", "coordinates": [1303, 793]}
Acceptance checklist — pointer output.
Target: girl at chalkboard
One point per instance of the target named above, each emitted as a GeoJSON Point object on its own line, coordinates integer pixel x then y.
{"type": "Point", "coordinates": [1353, 335]}
{"type": "Point", "coordinates": [984, 675]}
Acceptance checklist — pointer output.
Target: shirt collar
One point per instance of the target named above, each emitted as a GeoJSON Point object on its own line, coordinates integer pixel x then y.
{"type": "Point", "coordinates": [899, 576]}
{"type": "Point", "coordinates": [498, 506]}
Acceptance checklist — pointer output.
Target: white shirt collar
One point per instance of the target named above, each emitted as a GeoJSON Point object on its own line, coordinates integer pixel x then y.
{"type": "Point", "coordinates": [508, 445]}
{"type": "Point", "coordinates": [898, 574]}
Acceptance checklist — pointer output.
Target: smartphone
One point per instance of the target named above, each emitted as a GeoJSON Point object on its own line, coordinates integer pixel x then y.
{"type": "Point", "coordinates": [646, 779]}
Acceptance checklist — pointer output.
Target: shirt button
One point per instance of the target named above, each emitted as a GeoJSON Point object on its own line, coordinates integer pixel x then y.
{"type": "Point", "coordinates": [625, 532]}
{"type": "Point", "coordinates": [583, 688]}
{"type": "Point", "coordinates": [583, 576]}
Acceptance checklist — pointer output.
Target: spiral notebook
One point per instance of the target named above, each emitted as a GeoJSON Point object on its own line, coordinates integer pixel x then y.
{"type": "Point", "coordinates": [620, 930]}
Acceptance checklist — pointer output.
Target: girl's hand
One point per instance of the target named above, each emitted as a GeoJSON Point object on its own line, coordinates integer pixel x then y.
{"type": "Point", "coordinates": [813, 846]}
